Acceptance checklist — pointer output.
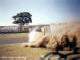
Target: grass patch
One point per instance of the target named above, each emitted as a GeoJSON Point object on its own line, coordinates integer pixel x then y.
{"type": "Point", "coordinates": [14, 35]}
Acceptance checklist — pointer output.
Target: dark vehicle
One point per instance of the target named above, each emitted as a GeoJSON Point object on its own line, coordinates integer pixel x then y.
{"type": "Point", "coordinates": [72, 55]}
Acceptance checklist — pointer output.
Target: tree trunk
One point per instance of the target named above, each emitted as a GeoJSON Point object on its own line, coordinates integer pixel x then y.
{"type": "Point", "coordinates": [20, 28]}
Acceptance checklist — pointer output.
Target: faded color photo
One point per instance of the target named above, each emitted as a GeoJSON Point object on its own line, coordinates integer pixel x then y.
{"type": "Point", "coordinates": [39, 29]}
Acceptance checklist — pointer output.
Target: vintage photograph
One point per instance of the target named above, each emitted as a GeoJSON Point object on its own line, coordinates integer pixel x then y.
{"type": "Point", "coordinates": [39, 29]}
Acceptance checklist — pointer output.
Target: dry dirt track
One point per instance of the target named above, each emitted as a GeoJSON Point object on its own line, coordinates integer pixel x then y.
{"type": "Point", "coordinates": [13, 38]}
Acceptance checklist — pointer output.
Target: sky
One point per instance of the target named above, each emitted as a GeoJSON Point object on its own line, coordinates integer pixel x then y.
{"type": "Point", "coordinates": [43, 11]}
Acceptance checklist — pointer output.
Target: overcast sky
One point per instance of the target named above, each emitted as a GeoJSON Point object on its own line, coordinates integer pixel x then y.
{"type": "Point", "coordinates": [43, 11]}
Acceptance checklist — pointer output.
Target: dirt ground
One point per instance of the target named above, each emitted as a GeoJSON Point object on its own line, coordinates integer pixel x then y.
{"type": "Point", "coordinates": [9, 49]}
{"type": "Point", "coordinates": [17, 50]}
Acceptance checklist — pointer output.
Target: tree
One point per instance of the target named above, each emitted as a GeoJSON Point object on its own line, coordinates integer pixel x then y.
{"type": "Point", "coordinates": [22, 19]}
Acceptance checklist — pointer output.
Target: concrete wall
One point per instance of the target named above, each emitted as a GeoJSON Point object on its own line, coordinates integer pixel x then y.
{"type": "Point", "coordinates": [4, 29]}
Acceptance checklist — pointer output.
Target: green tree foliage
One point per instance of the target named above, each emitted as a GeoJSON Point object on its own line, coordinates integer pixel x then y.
{"type": "Point", "coordinates": [22, 18]}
